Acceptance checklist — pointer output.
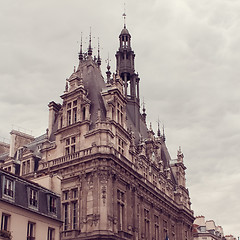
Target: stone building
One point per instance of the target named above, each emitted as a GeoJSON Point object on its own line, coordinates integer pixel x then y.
{"type": "Point", "coordinates": [27, 210]}
{"type": "Point", "coordinates": [208, 230]}
{"type": "Point", "coordinates": [116, 177]}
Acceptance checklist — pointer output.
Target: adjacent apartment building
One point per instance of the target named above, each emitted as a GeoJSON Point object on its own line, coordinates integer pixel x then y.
{"type": "Point", "coordinates": [116, 177]}
{"type": "Point", "coordinates": [27, 210]}
{"type": "Point", "coordinates": [207, 230]}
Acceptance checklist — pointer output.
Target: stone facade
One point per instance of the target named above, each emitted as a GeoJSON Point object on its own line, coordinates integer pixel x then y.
{"type": "Point", "coordinates": [116, 177]}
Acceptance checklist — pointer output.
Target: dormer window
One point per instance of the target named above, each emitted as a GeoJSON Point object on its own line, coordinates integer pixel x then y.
{"type": "Point", "coordinates": [52, 204]}
{"type": "Point", "coordinates": [33, 198]}
{"type": "Point", "coordinates": [8, 188]}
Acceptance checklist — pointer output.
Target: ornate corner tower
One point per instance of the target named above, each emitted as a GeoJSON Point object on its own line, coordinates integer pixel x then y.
{"type": "Point", "coordinates": [125, 66]}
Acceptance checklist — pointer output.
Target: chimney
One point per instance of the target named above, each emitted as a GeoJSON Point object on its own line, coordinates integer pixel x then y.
{"type": "Point", "coordinates": [18, 139]}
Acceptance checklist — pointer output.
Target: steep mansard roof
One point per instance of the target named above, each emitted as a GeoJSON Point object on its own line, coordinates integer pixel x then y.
{"type": "Point", "coordinates": [94, 83]}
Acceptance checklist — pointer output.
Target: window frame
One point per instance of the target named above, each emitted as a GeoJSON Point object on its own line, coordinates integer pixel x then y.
{"type": "Point", "coordinates": [52, 209]}
{"type": "Point", "coordinates": [51, 233]}
{"type": "Point", "coordinates": [5, 188]}
{"type": "Point", "coordinates": [31, 230]}
{"type": "Point", "coordinates": [30, 199]}
{"type": "Point", "coordinates": [5, 222]}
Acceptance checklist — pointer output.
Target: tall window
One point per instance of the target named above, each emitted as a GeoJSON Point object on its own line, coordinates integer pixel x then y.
{"type": "Point", "coordinates": [5, 222]}
{"type": "Point", "coordinates": [51, 234]}
{"type": "Point", "coordinates": [121, 204]}
{"type": "Point", "coordinates": [156, 227]}
{"type": "Point", "coordinates": [119, 114]}
{"type": "Point", "coordinates": [120, 146]}
{"type": "Point", "coordinates": [31, 231]}
{"type": "Point", "coordinates": [8, 189]}
{"type": "Point", "coordinates": [146, 223]}
{"type": "Point", "coordinates": [165, 229]}
{"type": "Point", "coordinates": [65, 215]}
{"type": "Point", "coordinates": [33, 197]}
{"type": "Point", "coordinates": [74, 117]}
{"type": "Point", "coordinates": [72, 112]}
{"type": "Point", "coordinates": [173, 232]}
{"type": "Point", "coordinates": [70, 145]}
{"type": "Point", "coordinates": [52, 204]}
{"type": "Point", "coordinates": [74, 215]}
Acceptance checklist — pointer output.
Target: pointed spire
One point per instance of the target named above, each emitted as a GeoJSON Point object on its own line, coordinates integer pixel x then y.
{"type": "Point", "coordinates": [90, 44]}
{"type": "Point", "coordinates": [98, 58]}
{"type": "Point", "coordinates": [144, 112]}
{"type": "Point", "coordinates": [80, 56]}
{"type": "Point", "coordinates": [108, 70]}
{"type": "Point", "coordinates": [158, 132]}
{"type": "Point", "coordinates": [124, 15]}
{"type": "Point", "coordinates": [163, 136]}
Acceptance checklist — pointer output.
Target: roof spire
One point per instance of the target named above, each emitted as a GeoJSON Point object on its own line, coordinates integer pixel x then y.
{"type": "Point", "coordinates": [80, 56]}
{"type": "Point", "coordinates": [144, 112]}
{"type": "Point", "coordinates": [158, 132]}
{"type": "Point", "coordinates": [98, 58]}
{"type": "Point", "coordinates": [90, 43]}
{"type": "Point", "coordinates": [164, 138]}
{"type": "Point", "coordinates": [124, 15]}
{"type": "Point", "coordinates": [108, 70]}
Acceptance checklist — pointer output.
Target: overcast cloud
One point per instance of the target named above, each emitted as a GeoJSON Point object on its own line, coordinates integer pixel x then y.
{"type": "Point", "coordinates": [188, 59]}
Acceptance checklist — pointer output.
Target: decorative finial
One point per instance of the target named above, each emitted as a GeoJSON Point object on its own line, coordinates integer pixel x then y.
{"type": "Point", "coordinates": [66, 86]}
{"type": "Point", "coordinates": [144, 109]}
{"type": "Point", "coordinates": [144, 112]}
{"type": "Point", "coordinates": [90, 43]}
{"type": "Point", "coordinates": [80, 56]}
{"type": "Point", "coordinates": [158, 132]}
{"type": "Point", "coordinates": [164, 138]}
{"type": "Point", "coordinates": [98, 58]}
{"type": "Point", "coordinates": [124, 15]}
{"type": "Point", "coordinates": [74, 69]}
{"type": "Point", "coordinates": [108, 70]}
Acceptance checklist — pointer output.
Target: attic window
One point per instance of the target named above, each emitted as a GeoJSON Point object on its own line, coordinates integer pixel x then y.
{"type": "Point", "coordinates": [33, 198]}
{"type": "Point", "coordinates": [8, 188]}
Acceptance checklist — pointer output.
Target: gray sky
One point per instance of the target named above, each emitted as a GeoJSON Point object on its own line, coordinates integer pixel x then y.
{"type": "Point", "coordinates": [187, 56]}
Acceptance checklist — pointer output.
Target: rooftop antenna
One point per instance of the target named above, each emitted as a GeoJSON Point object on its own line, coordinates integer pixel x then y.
{"type": "Point", "coordinates": [124, 15]}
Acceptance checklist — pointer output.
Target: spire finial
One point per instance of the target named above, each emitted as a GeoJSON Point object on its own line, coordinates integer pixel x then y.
{"type": "Point", "coordinates": [164, 138]}
{"type": "Point", "coordinates": [90, 43]}
{"type": "Point", "coordinates": [98, 58]}
{"type": "Point", "coordinates": [80, 56]}
{"type": "Point", "coordinates": [144, 111]}
{"type": "Point", "coordinates": [158, 132]}
{"type": "Point", "coordinates": [108, 70]}
{"type": "Point", "coordinates": [124, 15]}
